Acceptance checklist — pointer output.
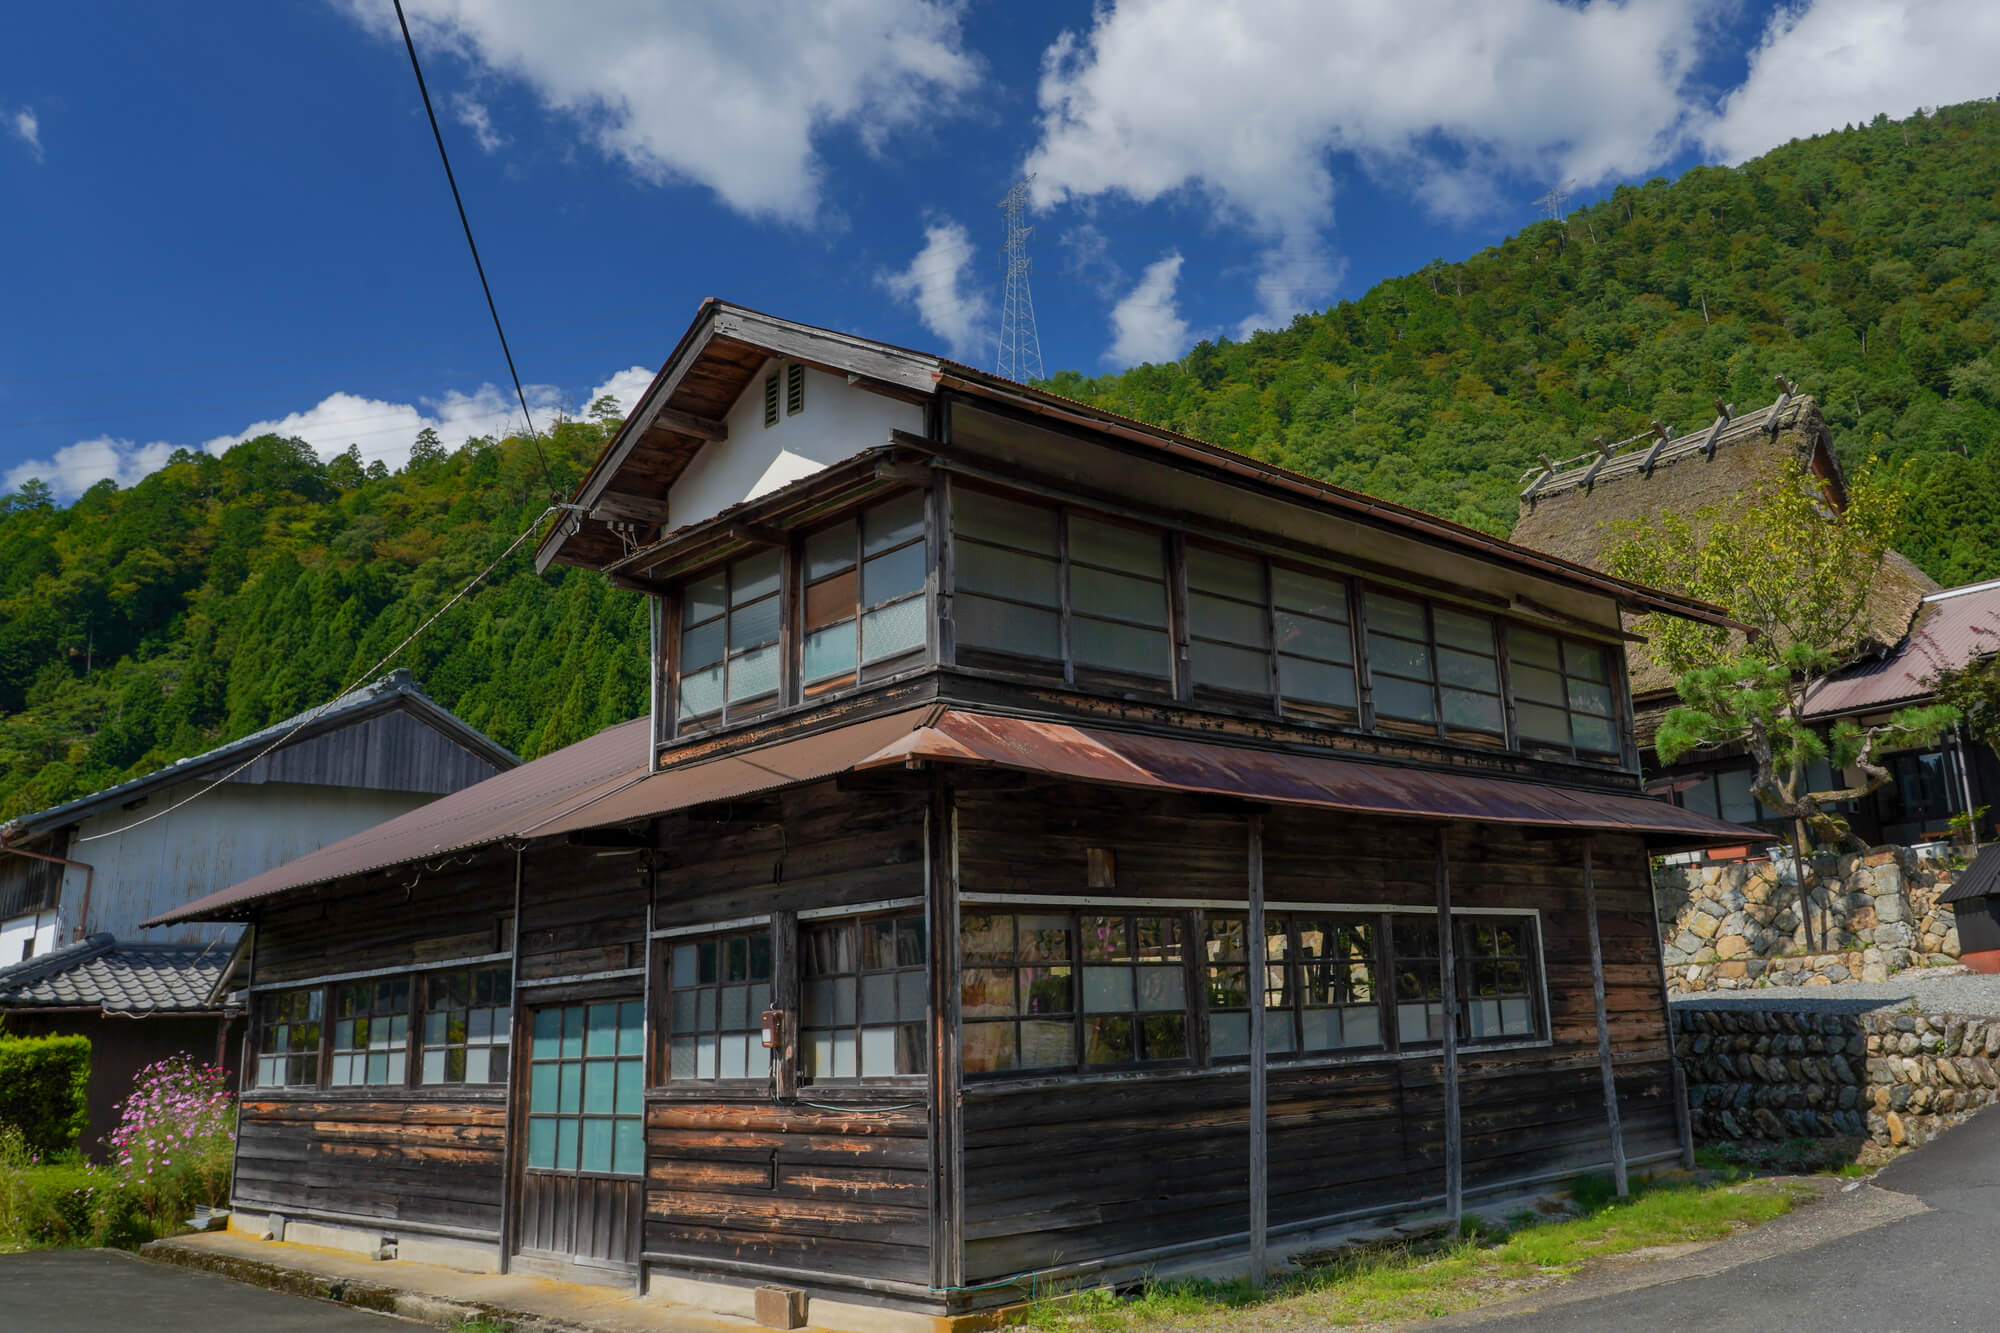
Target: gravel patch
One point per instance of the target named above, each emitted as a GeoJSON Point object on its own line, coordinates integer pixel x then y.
{"type": "Point", "coordinates": [1944, 990]}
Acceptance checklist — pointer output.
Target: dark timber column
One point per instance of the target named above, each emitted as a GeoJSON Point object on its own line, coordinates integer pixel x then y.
{"type": "Point", "coordinates": [1603, 1022]}
{"type": "Point", "coordinates": [1259, 1148]}
{"type": "Point", "coordinates": [946, 1115]}
{"type": "Point", "coordinates": [1454, 1165]}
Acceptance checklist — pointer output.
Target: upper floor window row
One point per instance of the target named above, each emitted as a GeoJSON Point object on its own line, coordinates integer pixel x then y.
{"type": "Point", "coordinates": [1061, 593]}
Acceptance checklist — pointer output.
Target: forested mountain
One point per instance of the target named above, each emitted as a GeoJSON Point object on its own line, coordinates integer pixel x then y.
{"type": "Point", "coordinates": [221, 594]}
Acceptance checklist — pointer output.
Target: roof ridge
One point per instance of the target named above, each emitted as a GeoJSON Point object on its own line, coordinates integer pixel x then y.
{"type": "Point", "coordinates": [31, 970]}
{"type": "Point", "coordinates": [1607, 461]}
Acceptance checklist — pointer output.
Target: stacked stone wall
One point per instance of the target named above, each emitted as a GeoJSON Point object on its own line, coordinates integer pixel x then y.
{"type": "Point", "coordinates": [1893, 1078]}
{"type": "Point", "coordinates": [1860, 917]}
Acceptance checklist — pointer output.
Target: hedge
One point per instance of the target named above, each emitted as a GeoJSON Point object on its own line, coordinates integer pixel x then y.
{"type": "Point", "coordinates": [44, 1088]}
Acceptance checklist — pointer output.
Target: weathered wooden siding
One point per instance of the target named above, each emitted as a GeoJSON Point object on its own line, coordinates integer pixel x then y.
{"type": "Point", "coordinates": [453, 913]}
{"type": "Point", "coordinates": [1063, 1173]}
{"type": "Point", "coordinates": [429, 1162]}
{"type": "Point", "coordinates": [839, 1192]}
{"type": "Point", "coordinates": [391, 751]}
{"type": "Point", "coordinates": [582, 912]}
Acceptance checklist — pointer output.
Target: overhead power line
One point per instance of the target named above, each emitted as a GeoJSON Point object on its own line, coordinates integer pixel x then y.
{"type": "Point", "coordinates": [409, 44]}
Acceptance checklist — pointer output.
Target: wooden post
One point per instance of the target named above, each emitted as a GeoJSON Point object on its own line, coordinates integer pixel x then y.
{"type": "Point", "coordinates": [1259, 1111]}
{"type": "Point", "coordinates": [515, 1120]}
{"type": "Point", "coordinates": [946, 1119]}
{"type": "Point", "coordinates": [1454, 1166]}
{"type": "Point", "coordinates": [1603, 1023]}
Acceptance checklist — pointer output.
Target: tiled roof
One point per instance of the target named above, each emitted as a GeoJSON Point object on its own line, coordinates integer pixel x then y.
{"type": "Point", "coordinates": [117, 976]}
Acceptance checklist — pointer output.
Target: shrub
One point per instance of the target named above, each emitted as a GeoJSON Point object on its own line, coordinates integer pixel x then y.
{"type": "Point", "coordinates": [65, 1202]}
{"type": "Point", "coordinates": [175, 1138]}
{"type": "Point", "coordinates": [44, 1090]}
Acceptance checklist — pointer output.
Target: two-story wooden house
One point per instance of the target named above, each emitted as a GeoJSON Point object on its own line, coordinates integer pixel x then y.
{"type": "Point", "coordinates": [1058, 849]}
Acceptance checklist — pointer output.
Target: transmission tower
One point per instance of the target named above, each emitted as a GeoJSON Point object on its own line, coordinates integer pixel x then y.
{"type": "Point", "coordinates": [1020, 356]}
{"type": "Point", "coordinates": [1553, 200]}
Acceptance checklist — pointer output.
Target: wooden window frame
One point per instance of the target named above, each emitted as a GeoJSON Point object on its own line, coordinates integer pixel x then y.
{"type": "Point", "coordinates": [365, 1054]}
{"type": "Point", "coordinates": [1293, 983]}
{"type": "Point", "coordinates": [1274, 700]}
{"type": "Point", "coordinates": [729, 712]}
{"type": "Point", "coordinates": [662, 1077]}
{"type": "Point", "coordinates": [856, 921]}
{"type": "Point", "coordinates": [264, 1025]}
{"type": "Point", "coordinates": [1440, 727]}
{"type": "Point", "coordinates": [502, 1035]}
{"type": "Point", "coordinates": [1615, 682]}
{"type": "Point", "coordinates": [798, 626]}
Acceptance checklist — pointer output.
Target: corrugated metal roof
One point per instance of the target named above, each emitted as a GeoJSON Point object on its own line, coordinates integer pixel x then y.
{"type": "Point", "coordinates": [1953, 628]}
{"type": "Point", "coordinates": [504, 806]}
{"type": "Point", "coordinates": [1981, 879]}
{"type": "Point", "coordinates": [603, 781]}
{"type": "Point", "coordinates": [1090, 754]}
{"type": "Point", "coordinates": [117, 977]}
{"type": "Point", "coordinates": [395, 688]}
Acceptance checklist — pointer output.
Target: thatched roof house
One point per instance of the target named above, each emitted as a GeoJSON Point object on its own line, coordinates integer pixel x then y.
{"type": "Point", "coordinates": [1570, 507]}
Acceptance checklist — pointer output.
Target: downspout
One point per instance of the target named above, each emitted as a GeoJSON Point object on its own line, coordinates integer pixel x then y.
{"type": "Point", "coordinates": [89, 876]}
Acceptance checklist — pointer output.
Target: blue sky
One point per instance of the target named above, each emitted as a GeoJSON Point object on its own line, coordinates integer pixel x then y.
{"type": "Point", "coordinates": [221, 218]}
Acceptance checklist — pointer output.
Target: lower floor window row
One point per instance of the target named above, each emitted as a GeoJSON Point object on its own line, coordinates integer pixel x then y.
{"type": "Point", "coordinates": [1071, 991]}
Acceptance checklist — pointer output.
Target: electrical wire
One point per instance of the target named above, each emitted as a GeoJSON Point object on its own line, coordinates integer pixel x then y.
{"type": "Point", "coordinates": [410, 44]}
{"type": "Point", "coordinates": [364, 677]}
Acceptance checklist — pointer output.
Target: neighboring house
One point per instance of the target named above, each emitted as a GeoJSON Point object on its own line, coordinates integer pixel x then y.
{"type": "Point", "coordinates": [1058, 849]}
{"type": "Point", "coordinates": [77, 880]}
{"type": "Point", "coordinates": [1577, 509]}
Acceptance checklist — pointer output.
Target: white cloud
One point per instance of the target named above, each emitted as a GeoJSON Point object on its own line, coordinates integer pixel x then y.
{"type": "Point", "coordinates": [472, 114]}
{"type": "Point", "coordinates": [1840, 62]}
{"type": "Point", "coordinates": [1239, 103]}
{"type": "Point", "coordinates": [75, 468]}
{"type": "Point", "coordinates": [1146, 325]}
{"type": "Point", "coordinates": [939, 282]}
{"type": "Point", "coordinates": [27, 127]}
{"type": "Point", "coordinates": [731, 97]}
{"type": "Point", "coordinates": [627, 386]}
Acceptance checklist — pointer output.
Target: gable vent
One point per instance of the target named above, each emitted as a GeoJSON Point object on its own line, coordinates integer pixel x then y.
{"type": "Point", "coordinates": [795, 388]}
{"type": "Point", "coordinates": [771, 399]}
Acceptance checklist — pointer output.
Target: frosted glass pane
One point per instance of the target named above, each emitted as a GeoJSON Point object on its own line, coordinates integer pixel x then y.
{"type": "Point", "coordinates": [1595, 733]}
{"type": "Point", "coordinates": [399, 1068]}
{"type": "Point", "coordinates": [757, 1059]}
{"type": "Point", "coordinates": [1585, 697]}
{"type": "Point", "coordinates": [733, 1055]}
{"type": "Point", "coordinates": [1315, 682]}
{"type": "Point", "coordinates": [685, 973]}
{"type": "Point", "coordinates": [1117, 547]}
{"type": "Point", "coordinates": [1100, 643]}
{"type": "Point", "coordinates": [1107, 990]}
{"type": "Point", "coordinates": [1483, 1018]}
{"type": "Point", "coordinates": [977, 514]}
{"type": "Point", "coordinates": [680, 1061]}
{"type": "Point", "coordinates": [1517, 1018]}
{"type": "Point", "coordinates": [899, 628]}
{"type": "Point", "coordinates": [753, 576]}
{"type": "Point", "coordinates": [878, 997]}
{"type": "Point", "coordinates": [701, 645]}
{"type": "Point", "coordinates": [478, 1064]}
{"type": "Point", "coordinates": [1322, 1029]}
{"type": "Point", "coordinates": [1243, 670]}
{"type": "Point", "coordinates": [1469, 670]}
{"type": "Point", "coordinates": [1399, 656]}
{"type": "Point", "coordinates": [702, 598]}
{"type": "Point", "coordinates": [1277, 1031]}
{"type": "Point", "coordinates": [1311, 637]}
{"type": "Point", "coordinates": [735, 1007]}
{"type": "Point", "coordinates": [704, 1057]}
{"type": "Point", "coordinates": [541, 1142]}
{"type": "Point", "coordinates": [542, 1089]}
{"type": "Point", "coordinates": [1232, 576]}
{"type": "Point", "coordinates": [1025, 578]}
{"type": "Point", "coordinates": [701, 692]}
{"type": "Point", "coordinates": [1585, 662]}
{"type": "Point", "coordinates": [1395, 615]}
{"type": "Point", "coordinates": [1419, 1022]}
{"type": "Point", "coordinates": [1537, 723]}
{"type": "Point", "coordinates": [1404, 699]}
{"type": "Point", "coordinates": [569, 1089]}
{"type": "Point", "coordinates": [1047, 1045]}
{"type": "Point", "coordinates": [1476, 712]}
{"type": "Point", "coordinates": [1456, 629]}
{"type": "Point", "coordinates": [1162, 990]}
{"type": "Point", "coordinates": [565, 1145]}
{"type": "Point", "coordinates": [629, 1099]}
{"type": "Point", "coordinates": [754, 673]}
{"type": "Point", "coordinates": [596, 1145]}
{"type": "Point", "coordinates": [820, 1054]}
{"type": "Point", "coordinates": [878, 1052]}
{"type": "Point", "coordinates": [830, 652]}
{"type": "Point", "coordinates": [1232, 622]}
{"type": "Point", "coordinates": [1100, 592]}
{"type": "Point", "coordinates": [1537, 685]}
{"type": "Point", "coordinates": [1527, 648]}
{"type": "Point", "coordinates": [830, 551]}
{"type": "Point", "coordinates": [434, 1067]}
{"type": "Point", "coordinates": [753, 624]}
{"type": "Point", "coordinates": [910, 996]}
{"type": "Point", "coordinates": [1308, 593]}
{"type": "Point", "coordinates": [894, 522]}
{"type": "Point", "coordinates": [479, 1025]}
{"type": "Point", "coordinates": [1229, 1034]}
{"type": "Point", "coordinates": [603, 1038]}
{"type": "Point", "coordinates": [1011, 629]}
{"type": "Point", "coordinates": [897, 574]}
{"type": "Point", "coordinates": [628, 1148]}
{"type": "Point", "coordinates": [843, 1055]}
{"type": "Point", "coordinates": [1361, 1027]}
{"type": "Point", "coordinates": [599, 1086]}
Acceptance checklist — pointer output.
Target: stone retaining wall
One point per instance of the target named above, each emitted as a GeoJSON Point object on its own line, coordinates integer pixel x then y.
{"type": "Point", "coordinates": [1746, 924]}
{"type": "Point", "coordinates": [1773, 1075]}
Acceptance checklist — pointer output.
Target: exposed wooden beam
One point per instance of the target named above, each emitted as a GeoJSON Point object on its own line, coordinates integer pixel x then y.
{"type": "Point", "coordinates": [1454, 1147]}
{"type": "Point", "coordinates": [687, 423]}
{"type": "Point", "coordinates": [757, 534]}
{"type": "Point", "coordinates": [1260, 1166]}
{"type": "Point", "coordinates": [1603, 1024]}
{"type": "Point", "coordinates": [645, 508]}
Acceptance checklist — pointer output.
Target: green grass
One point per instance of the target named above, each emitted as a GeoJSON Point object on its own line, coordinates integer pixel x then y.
{"type": "Point", "coordinates": [483, 1324]}
{"type": "Point", "coordinates": [1442, 1276]}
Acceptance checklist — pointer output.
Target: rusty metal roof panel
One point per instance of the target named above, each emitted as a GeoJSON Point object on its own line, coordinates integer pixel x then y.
{"type": "Point", "coordinates": [503, 806]}
{"type": "Point", "coordinates": [1088, 754]}
{"type": "Point", "coordinates": [1953, 629]}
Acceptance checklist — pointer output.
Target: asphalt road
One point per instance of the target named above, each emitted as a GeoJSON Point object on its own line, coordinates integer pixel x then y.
{"type": "Point", "coordinates": [1913, 1251]}
{"type": "Point", "coordinates": [97, 1291]}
